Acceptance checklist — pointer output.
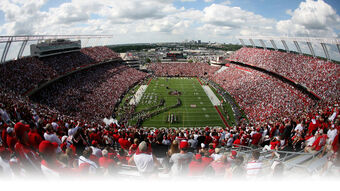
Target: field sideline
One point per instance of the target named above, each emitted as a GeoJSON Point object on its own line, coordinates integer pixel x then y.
{"type": "Point", "coordinates": [196, 109]}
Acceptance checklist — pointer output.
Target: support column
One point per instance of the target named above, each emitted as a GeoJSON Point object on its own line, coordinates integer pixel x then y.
{"type": "Point", "coordinates": [263, 44]}
{"type": "Point", "coordinates": [274, 45]}
{"type": "Point", "coordinates": [338, 45]}
{"type": "Point", "coordinates": [252, 42]}
{"type": "Point", "coordinates": [325, 50]}
{"type": "Point", "coordinates": [6, 49]}
{"type": "Point", "coordinates": [285, 45]}
{"type": "Point", "coordinates": [311, 48]}
{"type": "Point", "coordinates": [242, 42]}
{"type": "Point", "coordinates": [298, 47]}
{"type": "Point", "coordinates": [22, 48]}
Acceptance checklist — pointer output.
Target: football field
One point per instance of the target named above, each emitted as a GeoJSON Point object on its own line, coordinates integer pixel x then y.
{"type": "Point", "coordinates": [195, 110]}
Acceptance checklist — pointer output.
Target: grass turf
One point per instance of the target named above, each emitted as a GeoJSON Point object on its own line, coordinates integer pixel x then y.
{"type": "Point", "coordinates": [196, 109]}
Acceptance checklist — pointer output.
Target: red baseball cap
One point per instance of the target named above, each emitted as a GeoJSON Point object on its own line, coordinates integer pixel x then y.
{"type": "Point", "coordinates": [94, 142]}
{"type": "Point", "coordinates": [234, 153]}
{"type": "Point", "coordinates": [183, 145]}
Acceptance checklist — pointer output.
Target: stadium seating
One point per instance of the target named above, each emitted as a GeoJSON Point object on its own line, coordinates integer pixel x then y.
{"type": "Point", "coordinates": [26, 73]}
{"type": "Point", "coordinates": [67, 137]}
{"type": "Point", "coordinates": [316, 74]}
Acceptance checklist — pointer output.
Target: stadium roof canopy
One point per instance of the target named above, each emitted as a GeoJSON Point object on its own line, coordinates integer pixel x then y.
{"type": "Point", "coordinates": [296, 40]}
{"type": "Point", "coordinates": [25, 38]}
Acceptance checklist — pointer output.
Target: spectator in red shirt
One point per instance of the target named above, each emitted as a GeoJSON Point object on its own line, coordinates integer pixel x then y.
{"type": "Point", "coordinates": [256, 138]}
{"type": "Point", "coordinates": [28, 158]}
{"type": "Point", "coordinates": [274, 146]}
{"type": "Point", "coordinates": [50, 166]}
{"type": "Point", "coordinates": [11, 139]}
{"type": "Point", "coordinates": [196, 166]}
{"type": "Point", "coordinates": [206, 159]}
{"type": "Point", "coordinates": [34, 138]}
{"type": "Point", "coordinates": [105, 161]}
{"type": "Point", "coordinates": [319, 142]}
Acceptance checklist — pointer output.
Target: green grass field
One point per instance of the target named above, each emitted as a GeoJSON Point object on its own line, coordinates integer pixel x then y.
{"type": "Point", "coordinates": [196, 109]}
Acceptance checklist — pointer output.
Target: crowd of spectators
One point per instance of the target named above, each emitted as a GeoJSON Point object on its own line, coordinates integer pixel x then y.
{"type": "Point", "coordinates": [183, 69]}
{"type": "Point", "coordinates": [55, 147]}
{"type": "Point", "coordinates": [90, 94]}
{"type": "Point", "coordinates": [26, 73]}
{"type": "Point", "coordinates": [61, 135]}
{"type": "Point", "coordinates": [319, 75]}
{"type": "Point", "coordinates": [261, 96]}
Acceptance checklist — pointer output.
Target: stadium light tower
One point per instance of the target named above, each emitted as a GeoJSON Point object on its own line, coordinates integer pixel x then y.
{"type": "Point", "coordinates": [25, 38]}
{"type": "Point", "coordinates": [296, 40]}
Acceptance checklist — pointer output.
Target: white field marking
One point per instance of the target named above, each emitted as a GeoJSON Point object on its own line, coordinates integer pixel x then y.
{"type": "Point", "coordinates": [199, 97]}
{"type": "Point", "coordinates": [204, 109]}
{"type": "Point", "coordinates": [201, 103]}
{"type": "Point", "coordinates": [214, 100]}
{"type": "Point", "coordinates": [206, 115]}
{"type": "Point", "coordinates": [138, 95]}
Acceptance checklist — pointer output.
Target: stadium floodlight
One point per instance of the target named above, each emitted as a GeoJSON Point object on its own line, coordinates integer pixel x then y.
{"type": "Point", "coordinates": [25, 38]}
{"type": "Point", "coordinates": [309, 40]}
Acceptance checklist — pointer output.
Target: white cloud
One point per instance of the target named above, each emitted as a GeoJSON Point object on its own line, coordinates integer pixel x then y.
{"type": "Point", "coordinates": [21, 15]}
{"type": "Point", "coordinates": [209, 1]}
{"type": "Point", "coordinates": [314, 18]}
{"type": "Point", "coordinates": [160, 20]}
{"type": "Point", "coordinates": [226, 20]}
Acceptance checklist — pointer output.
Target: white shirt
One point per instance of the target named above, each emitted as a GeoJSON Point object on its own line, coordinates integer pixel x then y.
{"type": "Point", "coordinates": [181, 163]}
{"type": "Point", "coordinates": [253, 168]}
{"type": "Point", "coordinates": [331, 135]}
{"type": "Point", "coordinates": [93, 165]}
{"type": "Point", "coordinates": [53, 139]}
{"type": "Point", "coordinates": [310, 141]}
{"type": "Point", "coordinates": [4, 116]}
{"type": "Point", "coordinates": [97, 152]}
{"type": "Point", "coordinates": [73, 131]}
{"type": "Point", "coordinates": [298, 127]}
{"type": "Point", "coordinates": [144, 163]}
{"type": "Point", "coordinates": [193, 143]}
{"type": "Point", "coordinates": [216, 156]}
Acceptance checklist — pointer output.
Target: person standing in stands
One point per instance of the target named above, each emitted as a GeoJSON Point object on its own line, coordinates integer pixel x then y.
{"type": "Point", "coordinates": [253, 167]}
{"type": "Point", "coordinates": [50, 166]}
{"type": "Point", "coordinates": [181, 160]}
{"type": "Point", "coordinates": [29, 159]}
{"type": "Point", "coordinates": [145, 162]}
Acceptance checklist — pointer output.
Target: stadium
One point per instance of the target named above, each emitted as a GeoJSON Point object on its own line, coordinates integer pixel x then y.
{"type": "Point", "coordinates": [265, 110]}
